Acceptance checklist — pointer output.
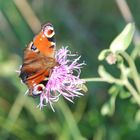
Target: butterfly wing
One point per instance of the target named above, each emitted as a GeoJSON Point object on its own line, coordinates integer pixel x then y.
{"type": "Point", "coordinates": [39, 58]}
{"type": "Point", "coordinates": [36, 67]}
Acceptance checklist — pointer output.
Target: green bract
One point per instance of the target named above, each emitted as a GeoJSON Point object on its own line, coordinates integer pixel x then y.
{"type": "Point", "coordinates": [103, 54]}
{"type": "Point", "coordinates": [109, 107]}
{"type": "Point", "coordinates": [122, 41]}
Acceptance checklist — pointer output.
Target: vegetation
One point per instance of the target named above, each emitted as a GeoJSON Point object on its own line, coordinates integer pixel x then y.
{"type": "Point", "coordinates": [110, 109]}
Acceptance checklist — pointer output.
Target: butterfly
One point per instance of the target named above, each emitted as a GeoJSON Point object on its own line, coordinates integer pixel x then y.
{"type": "Point", "coordinates": [39, 60]}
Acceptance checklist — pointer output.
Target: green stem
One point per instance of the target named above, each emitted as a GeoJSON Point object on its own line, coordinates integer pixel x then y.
{"type": "Point", "coordinates": [99, 79]}
{"type": "Point", "coordinates": [135, 52]}
{"type": "Point", "coordinates": [70, 121]}
{"type": "Point", "coordinates": [96, 79]}
{"type": "Point", "coordinates": [124, 82]}
{"type": "Point", "coordinates": [133, 92]}
{"type": "Point", "coordinates": [134, 71]}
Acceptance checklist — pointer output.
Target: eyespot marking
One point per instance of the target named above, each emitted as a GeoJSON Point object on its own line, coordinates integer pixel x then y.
{"type": "Point", "coordinates": [38, 89]}
{"type": "Point", "coordinates": [33, 48]}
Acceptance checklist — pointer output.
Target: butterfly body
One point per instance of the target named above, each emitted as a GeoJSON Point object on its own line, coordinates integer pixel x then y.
{"type": "Point", "coordinates": [39, 60]}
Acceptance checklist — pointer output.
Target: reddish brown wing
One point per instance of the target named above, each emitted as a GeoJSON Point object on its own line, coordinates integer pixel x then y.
{"type": "Point", "coordinates": [36, 67]}
{"type": "Point", "coordinates": [39, 60]}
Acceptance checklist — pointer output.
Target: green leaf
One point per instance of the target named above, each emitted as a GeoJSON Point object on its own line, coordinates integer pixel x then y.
{"type": "Point", "coordinates": [124, 94]}
{"type": "Point", "coordinates": [114, 89]}
{"type": "Point", "coordinates": [109, 107]}
{"type": "Point", "coordinates": [106, 109]}
{"type": "Point", "coordinates": [123, 40]}
{"type": "Point", "coordinates": [118, 89]}
{"type": "Point", "coordinates": [103, 54]}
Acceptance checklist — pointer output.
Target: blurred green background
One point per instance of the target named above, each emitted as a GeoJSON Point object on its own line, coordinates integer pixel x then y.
{"type": "Point", "coordinates": [87, 27]}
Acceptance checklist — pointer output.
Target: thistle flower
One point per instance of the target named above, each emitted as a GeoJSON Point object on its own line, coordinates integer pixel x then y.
{"type": "Point", "coordinates": [64, 80]}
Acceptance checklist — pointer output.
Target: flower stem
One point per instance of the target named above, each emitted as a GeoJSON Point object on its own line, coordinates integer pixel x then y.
{"type": "Point", "coordinates": [125, 82]}
{"type": "Point", "coordinates": [69, 119]}
{"type": "Point", "coordinates": [96, 79]}
{"type": "Point", "coordinates": [134, 71]}
{"type": "Point", "coordinates": [99, 79]}
{"type": "Point", "coordinates": [133, 92]}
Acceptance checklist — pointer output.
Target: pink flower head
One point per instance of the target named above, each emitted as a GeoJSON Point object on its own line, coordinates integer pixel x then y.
{"type": "Point", "coordinates": [64, 80]}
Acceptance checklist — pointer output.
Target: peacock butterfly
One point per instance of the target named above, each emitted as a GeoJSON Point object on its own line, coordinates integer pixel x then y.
{"type": "Point", "coordinates": [39, 60]}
